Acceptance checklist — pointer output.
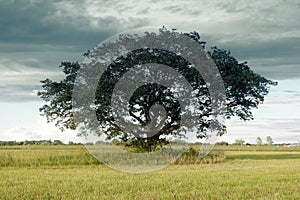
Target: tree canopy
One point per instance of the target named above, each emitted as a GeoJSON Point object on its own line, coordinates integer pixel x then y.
{"type": "Point", "coordinates": [244, 90]}
{"type": "Point", "coordinates": [269, 140]}
{"type": "Point", "coordinates": [259, 141]}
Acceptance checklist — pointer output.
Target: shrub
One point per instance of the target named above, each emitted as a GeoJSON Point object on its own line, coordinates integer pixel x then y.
{"type": "Point", "coordinates": [191, 156]}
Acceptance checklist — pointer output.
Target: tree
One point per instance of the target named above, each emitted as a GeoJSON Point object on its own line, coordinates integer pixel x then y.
{"type": "Point", "coordinates": [239, 142]}
{"type": "Point", "coordinates": [259, 141]}
{"type": "Point", "coordinates": [244, 90]}
{"type": "Point", "coordinates": [269, 140]}
{"type": "Point", "coordinates": [223, 143]}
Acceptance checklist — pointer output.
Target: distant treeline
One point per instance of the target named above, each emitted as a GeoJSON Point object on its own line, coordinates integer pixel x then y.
{"type": "Point", "coordinates": [34, 142]}
{"type": "Point", "coordinates": [115, 142]}
{"type": "Point", "coordinates": [58, 142]}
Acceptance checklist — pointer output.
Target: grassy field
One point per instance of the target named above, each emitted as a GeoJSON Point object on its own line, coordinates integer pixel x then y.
{"type": "Point", "coordinates": [69, 172]}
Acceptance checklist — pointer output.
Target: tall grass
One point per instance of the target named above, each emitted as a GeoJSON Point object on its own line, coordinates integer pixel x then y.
{"type": "Point", "coordinates": [74, 174]}
{"type": "Point", "coordinates": [61, 155]}
{"type": "Point", "coordinates": [41, 155]}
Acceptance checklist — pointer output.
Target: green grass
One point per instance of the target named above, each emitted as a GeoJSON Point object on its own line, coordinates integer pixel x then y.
{"type": "Point", "coordinates": [247, 173]}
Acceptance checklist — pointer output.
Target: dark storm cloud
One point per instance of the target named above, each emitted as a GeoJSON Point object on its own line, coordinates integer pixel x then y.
{"type": "Point", "coordinates": [36, 36]}
{"type": "Point", "coordinates": [275, 58]}
{"type": "Point", "coordinates": [284, 47]}
{"type": "Point", "coordinates": [57, 23]}
{"type": "Point", "coordinates": [47, 59]}
{"type": "Point", "coordinates": [31, 25]}
{"type": "Point", "coordinates": [36, 23]}
{"type": "Point", "coordinates": [278, 59]}
{"type": "Point", "coordinates": [265, 33]}
{"type": "Point", "coordinates": [21, 72]}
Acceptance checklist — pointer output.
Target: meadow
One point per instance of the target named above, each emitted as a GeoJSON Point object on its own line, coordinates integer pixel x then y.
{"type": "Point", "coordinates": [70, 172]}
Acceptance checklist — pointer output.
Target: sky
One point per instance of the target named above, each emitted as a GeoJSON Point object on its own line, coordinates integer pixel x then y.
{"type": "Point", "coordinates": [36, 35]}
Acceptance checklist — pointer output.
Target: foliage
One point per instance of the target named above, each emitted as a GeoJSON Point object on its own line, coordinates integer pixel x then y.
{"type": "Point", "coordinates": [58, 96]}
{"type": "Point", "coordinates": [244, 90]}
{"type": "Point", "coordinates": [222, 143]}
{"type": "Point", "coordinates": [239, 142]}
{"type": "Point", "coordinates": [259, 141]}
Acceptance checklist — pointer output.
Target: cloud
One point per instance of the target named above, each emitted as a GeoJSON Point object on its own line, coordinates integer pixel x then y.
{"type": "Point", "coordinates": [281, 130]}
{"type": "Point", "coordinates": [286, 93]}
{"type": "Point", "coordinates": [22, 71]}
{"type": "Point", "coordinates": [78, 21]}
{"type": "Point", "coordinates": [41, 131]}
{"type": "Point", "coordinates": [275, 58]}
{"type": "Point", "coordinates": [18, 93]}
{"type": "Point", "coordinates": [36, 36]}
{"type": "Point", "coordinates": [60, 22]}
{"type": "Point", "coordinates": [278, 117]}
{"type": "Point", "coordinates": [20, 134]}
{"type": "Point", "coordinates": [20, 78]}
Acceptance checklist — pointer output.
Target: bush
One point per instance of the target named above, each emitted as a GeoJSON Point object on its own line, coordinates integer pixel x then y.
{"type": "Point", "coordinates": [191, 156]}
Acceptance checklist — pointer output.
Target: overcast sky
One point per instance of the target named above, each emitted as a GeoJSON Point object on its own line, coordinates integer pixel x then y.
{"type": "Point", "coordinates": [35, 36]}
